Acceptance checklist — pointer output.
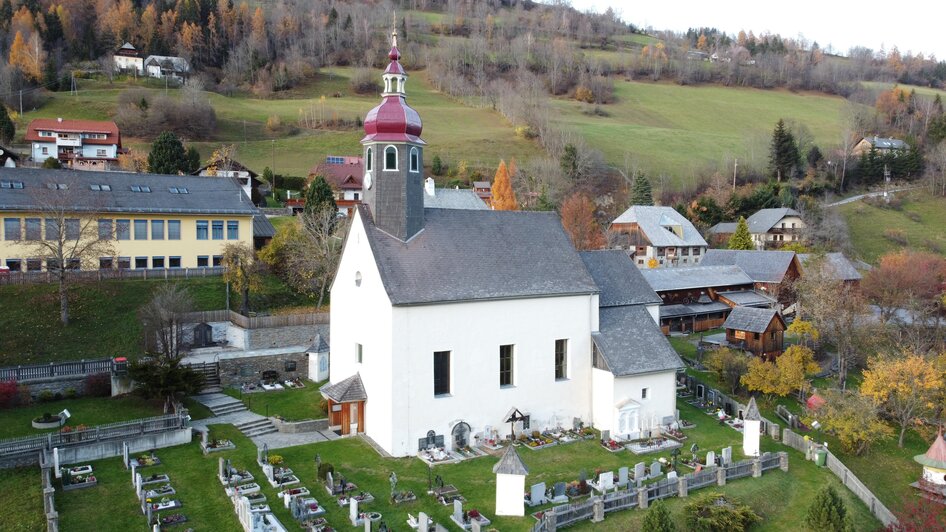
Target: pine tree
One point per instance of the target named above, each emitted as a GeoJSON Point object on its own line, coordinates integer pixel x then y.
{"type": "Point", "coordinates": [167, 155]}
{"type": "Point", "coordinates": [641, 192]}
{"type": "Point", "coordinates": [658, 519]}
{"type": "Point", "coordinates": [193, 160]}
{"type": "Point", "coordinates": [504, 199]}
{"type": "Point", "coordinates": [741, 238]}
{"type": "Point", "coordinates": [569, 161]}
{"type": "Point", "coordinates": [827, 513]}
{"type": "Point", "coordinates": [783, 153]}
{"type": "Point", "coordinates": [7, 128]}
{"type": "Point", "coordinates": [319, 196]}
{"type": "Point", "coordinates": [436, 166]}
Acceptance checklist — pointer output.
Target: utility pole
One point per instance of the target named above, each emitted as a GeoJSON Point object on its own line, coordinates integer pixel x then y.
{"type": "Point", "coordinates": [886, 183]}
{"type": "Point", "coordinates": [21, 102]}
{"type": "Point", "coordinates": [274, 169]}
{"type": "Point", "coordinates": [735, 166]}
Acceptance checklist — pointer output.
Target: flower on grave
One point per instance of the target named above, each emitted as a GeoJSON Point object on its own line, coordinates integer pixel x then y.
{"type": "Point", "coordinates": [275, 459]}
{"type": "Point", "coordinates": [474, 514]}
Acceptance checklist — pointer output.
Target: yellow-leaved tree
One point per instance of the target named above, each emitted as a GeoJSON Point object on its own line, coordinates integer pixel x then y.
{"type": "Point", "coordinates": [853, 418]}
{"type": "Point", "coordinates": [761, 376]}
{"type": "Point", "coordinates": [904, 387]}
{"type": "Point", "coordinates": [793, 368]}
{"type": "Point", "coordinates": [504, 199]}
{"type": "Point", "coordinates": [805, 331]}
{"type": "Point", "coordinates": [28, 55]}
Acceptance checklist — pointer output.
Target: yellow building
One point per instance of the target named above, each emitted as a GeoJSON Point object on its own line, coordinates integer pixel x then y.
{"type": "Point", "coordinates": [148, 220]}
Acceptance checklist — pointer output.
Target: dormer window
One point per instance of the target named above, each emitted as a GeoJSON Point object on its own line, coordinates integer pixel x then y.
{"type": "Point", "coordinates": [415, 160]}
{"type": "Point", "coordinates": [390, 158]}
{"type": "Point", "coordinates": [368, 160]}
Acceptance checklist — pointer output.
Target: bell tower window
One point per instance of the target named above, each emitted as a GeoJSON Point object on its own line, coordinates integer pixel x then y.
{"type": "Point", "coordinates": [390, 158]}
{"type": "Point", "coordinates": [415, 160]}
{"type": "Point", "coordinates": [368, 160]}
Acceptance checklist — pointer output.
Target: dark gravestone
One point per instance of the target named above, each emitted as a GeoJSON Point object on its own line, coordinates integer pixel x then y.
{"type": "Point", "coordinates": [203, 335]}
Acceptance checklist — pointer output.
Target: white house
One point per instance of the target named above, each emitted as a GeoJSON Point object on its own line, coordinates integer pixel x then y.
{"type": "Point", "coordinates": [247, 178]}
{"type": "Point", "coordinates": [775, 227]}
{"type": "Point", "coordinates": [79, 144]}
{"type": "Point", "coordinates": [446, 321]}
{"type": "Point", "coordinates": [128, 58]}
{"type": "Point", "coordinates": [659, 237]}
{"type": "Point", "coordinates": [160, 66]}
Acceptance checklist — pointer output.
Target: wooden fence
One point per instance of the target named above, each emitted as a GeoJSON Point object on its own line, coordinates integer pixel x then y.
{"type": "Point", "coordinates": [570, 514]}
{"type": "Point", "coordinates": [23, 278]}
{"type": "Point", "coordinates": [257, 322]}
{"type": "Point", "coordinates": [111, 431]}
{"type": "Point", "coordinates": [848, 478]}
{"type": "Point", "coordinates": [55, 369]}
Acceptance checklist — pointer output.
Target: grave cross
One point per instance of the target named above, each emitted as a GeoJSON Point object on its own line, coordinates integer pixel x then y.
{"type": "Point", "coordinates": [393, 480]}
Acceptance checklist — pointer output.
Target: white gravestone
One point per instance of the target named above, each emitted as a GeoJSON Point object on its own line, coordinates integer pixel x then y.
{"type": "Point", "coordinates": [655, 470]}
{"type": "Point", "coordinates": [125, 453]}
{"type": "Point", "coordinates": [711, 458]}
{"type": "Point", "coordinates": [458, 510]}
{"type": "Point", "coordinates": [622, 477]}
{"type": "Point", "coordinates": [672, 476]}
{"type": "Point", "coordinates": [423, 522]}
{"type": "Point", "coordinates": [537, 495]}
{"type": "Point", "coordinates": [56, 462]}
{"type": "Point", "coordinates": [727, 456]}
{"type": "Point", "coordinates": [606, 481]}
{"type": "Point", "coordinates": [353, 511]}
{"type": "Point", "coordinates": [640, 471]}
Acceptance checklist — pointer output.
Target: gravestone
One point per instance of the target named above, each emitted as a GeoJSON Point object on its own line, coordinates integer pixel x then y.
{"type": "Point", "coordinates": [353, 511]}
{"type": "Point", "coordinates": [640, 471]}
{"type": "Point", "coordinates": [537, 496]}
{"type": "Point", "coordinates": [458, 511]}
{"type": "Point", "coordinates": [558, 493]}
{"type": "Point", "coordinates": [605, 435]}
{"type": "Point", "coordinates": [220, 470]}
{"type": "Point", "coordinates": [204, 434]}
{"type": "Point", "coordinates": [330, 481]}
{"type": "Point", "coordinates": [440, 528]}
{"type": "Point", "coordinates": [655, 470]}
{"type": "Point", "coordinates": [727, 456]}
{"type": "Point", "coordinates": [576, 423]}
{"type": "Point", "coordinates": [711, 458]}
{"type": "Point", "coordinates": [606, 481]}
{"type": "Point", "coordinates": [367, 525]}
{"type": "Point", "coordinates": [56, 464]}
{"type": "Point", "coordinates": [125, 453]}
{"type": "Point", "coordinates": [622, 477]}
{"type": "Point", "coordinates": [268, 472]}
{"type": "Point", "coordinates": [672, 476]}
{"type": "Point", "coordinates": [423, 522]}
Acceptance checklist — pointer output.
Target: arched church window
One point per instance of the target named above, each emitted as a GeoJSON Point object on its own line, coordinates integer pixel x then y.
{"type": "Point", "coordinates": [390, 158]}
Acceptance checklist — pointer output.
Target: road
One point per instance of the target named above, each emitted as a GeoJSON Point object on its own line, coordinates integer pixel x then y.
{"type": "Point", "coordinates": [859, 197]}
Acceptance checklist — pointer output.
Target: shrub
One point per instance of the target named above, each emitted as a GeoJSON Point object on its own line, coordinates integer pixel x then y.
{"type": "Point", "coordinates": [897, 236]}
{"type": "Point", "coordinates": [363, 81]}
{"type": "Point", "coordinates": [9, 393]}
{"type": "Point", "coordinates": [45, 396]}
{"type": "Point", "coordinates": [658, 519]}
{"type": "Point", "coordinates": [273, 124]}
{"type": "Point", "coordinates": [827, 512]}
{"type": "Point", "coordinates": [436, 166]}
{"type": "Point", "coordinates": [52, 163]}
{"type": "Point", "coordinates": [584, 94]}
{"type": "Point", "coordinates": [71, 393]}
{"type": "Point", "coordinates": [98, 385]}
{"type": "Point", "coordinates": [715, 512]}
{"type": "Point", "coordinates": [914, 217]}
{"type": "Point", "coordinates": [324, 469]}
{"type": "Point", "coordinates": [526, 132]}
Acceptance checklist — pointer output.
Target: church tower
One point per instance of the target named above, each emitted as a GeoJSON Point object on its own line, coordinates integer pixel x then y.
{"type": "Point", "coordinates": [394, 157]}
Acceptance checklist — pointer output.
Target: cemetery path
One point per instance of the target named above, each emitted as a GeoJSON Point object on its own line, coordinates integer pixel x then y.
{"type": "Point", "coordinates": [230, 414]}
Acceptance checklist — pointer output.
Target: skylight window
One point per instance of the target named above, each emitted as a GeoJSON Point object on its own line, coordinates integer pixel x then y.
{"type": "Point", "coordinates": [11, 184]}
{"type": "Point", "coordinates": [55, 186]}
{"type": "Point", "coordinates": [104, 188]}
{"type": "Point", "coordinates": [140, 188]}
{"type": "Point", "coordinates": [177, 190]}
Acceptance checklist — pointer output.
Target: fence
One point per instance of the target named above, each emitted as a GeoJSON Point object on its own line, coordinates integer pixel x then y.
{"type": "Point", "coordinates": [49, 494]}
{"type": "Point", "coordinates": [22, 278]}
{"type": "Point", "coordinates": [55, 369]}
{"type": "Point", "coordinates": [111, 431]}
{"type": "Point", "coordinates": [257, 322]}
{"type": "Point", "coordinates": [570, 514]}
{"type": "Point", "coordinates": [848, 478]}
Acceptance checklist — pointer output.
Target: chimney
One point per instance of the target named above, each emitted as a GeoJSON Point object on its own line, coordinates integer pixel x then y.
{"type": "Point", "coordinates": [429, 186]}
{"type": "Point", "coordinates": [59, 120]}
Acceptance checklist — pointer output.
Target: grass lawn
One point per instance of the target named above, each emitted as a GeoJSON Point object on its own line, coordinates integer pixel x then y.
{"type": "Point", "coordinates": [294, 405]}
{"type": "Point", "coordinates": [780, 497]}
{"type": "Point", "coordinates": [921, 220]}
{"type": "Point", "coordinates": [678, 130]}
{"type": "Point", "coordinates": [279, 221]}
{"type": "Point", "coordinates": [88, 411]}
{"type": "Point", "coordinates": [104, 320]}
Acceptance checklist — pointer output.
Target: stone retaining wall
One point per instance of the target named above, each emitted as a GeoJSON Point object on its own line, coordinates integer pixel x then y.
{"type": "Point", "coordinates": [282, 336]}
{"type": "Point", "coordinates": [244, 370]}
{"type": "Point", "coordinates": [296, 427]}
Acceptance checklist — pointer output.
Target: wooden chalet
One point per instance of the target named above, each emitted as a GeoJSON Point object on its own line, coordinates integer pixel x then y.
{"type": "Point", "coordinates": [758, 330]}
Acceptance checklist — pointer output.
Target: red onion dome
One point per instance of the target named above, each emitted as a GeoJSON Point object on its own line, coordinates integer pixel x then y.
{"type": "Point", "coordinates": [393, 120]}
{"type": "Point", "coordinates": [394, 54]}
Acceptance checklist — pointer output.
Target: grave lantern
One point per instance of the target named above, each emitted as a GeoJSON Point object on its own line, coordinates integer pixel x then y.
{"type": "Point", "coordinates": [510, 483]}
{"type": "Point", "coordinates": [752, 424]}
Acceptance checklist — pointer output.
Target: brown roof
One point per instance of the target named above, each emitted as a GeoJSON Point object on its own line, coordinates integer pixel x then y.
{"type": "Point", "coordinates": [60, 125]}
{"type": "Point", "coordinates": [346, 175]}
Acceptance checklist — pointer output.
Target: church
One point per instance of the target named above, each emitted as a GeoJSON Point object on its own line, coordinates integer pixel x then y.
{"type": "Point", "coordinates": [447, 323]}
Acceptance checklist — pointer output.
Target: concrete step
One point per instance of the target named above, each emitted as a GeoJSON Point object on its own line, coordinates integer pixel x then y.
{"type": "Point", "coordinates": [229, 408]}
{"type": "Point", "coordinates": [255, 424]}
{"type": "Point", "coordinates": [210, 388]}
{"type": "Point", "coordinates": [259, 432]}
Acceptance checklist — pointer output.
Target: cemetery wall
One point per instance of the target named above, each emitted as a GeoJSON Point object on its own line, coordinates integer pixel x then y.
{"type": "Point", "coordinates": [266, 338]}
{"type": "Point", "coordinates": [111, 448]}
{"type": "Point", "coordinates": [243, 370]}
{"type": "Point", "coordinates": [61, 385]}
{"type": "Point", "coordinates": [219, 332]}
{"type": "Point", "coordinates": [298, 427]}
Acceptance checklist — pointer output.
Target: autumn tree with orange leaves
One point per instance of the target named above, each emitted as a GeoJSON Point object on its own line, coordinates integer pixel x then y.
{"type": "Point", "coordinates": [504, 199]}
{"type": "Point", "coordinates": [578, 218]}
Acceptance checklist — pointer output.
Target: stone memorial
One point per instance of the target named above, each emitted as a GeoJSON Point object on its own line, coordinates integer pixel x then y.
{"type": "Point", "coordinates": [672, 476]}
{"type": "Point", "coordinates": [423, 522]}
{"type": "Point", "coordinates": [605, 435]}
{"type": "Point", "coordinates": [353, 511]}
{"type": "Point", "coordinates": [655, 470]}
{"type": "Point", "coordinates": [558, 493]}
{"type": "Point", "coordinates": [711, 458]}
{"type": "Point", "coordinates": [622, 477]}
{"type": "Point", "coordinates": [606, 481]}
{"type": "Point", "coordinates": [727, 456]}
{"type": "Point", "coordinates": [537, 495]}
{"type": "Point", "coordinates": [56, 463]}
{"type": "Point", "coordinates": [125, 454]}
{"type": "Point", "coordinates": [640, 471]}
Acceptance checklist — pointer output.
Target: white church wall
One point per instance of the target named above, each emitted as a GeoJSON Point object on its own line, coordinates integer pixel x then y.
{"type": "Point", "coordinates": [661, 398]}
{"type": "Point", "coordinates": [473, 332]}
{"type": "Point", "coordinates": [602, 393]}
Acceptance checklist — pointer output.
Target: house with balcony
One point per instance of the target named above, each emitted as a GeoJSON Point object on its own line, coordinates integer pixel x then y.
{"type": "Point", "coordinates": [344, 174]}
{"type": "Point", "coordinates": [658, 237]}
{"type": "Point", "coordinates": [77, 144]}
{"type": "Point", "coordinates": [129, 59]}
{"type": "Point", "coordinates": [247, 179]}
{"type": "Point", "coordinates": [773, 228]}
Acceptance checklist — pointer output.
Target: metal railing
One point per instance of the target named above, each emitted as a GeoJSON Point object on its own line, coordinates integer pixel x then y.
{"type": "Point", "coordinates": [39, 277]}
{"type": "Point", "coordinates": [56, 369]}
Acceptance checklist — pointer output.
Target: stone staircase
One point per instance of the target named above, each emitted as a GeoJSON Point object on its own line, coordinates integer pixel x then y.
{"type": "Point", "coordinates": [256, 427]}
{"type": "Point", "coordinates": [211, 373]}
{"type": "Point", "coordinates": [223, 405]}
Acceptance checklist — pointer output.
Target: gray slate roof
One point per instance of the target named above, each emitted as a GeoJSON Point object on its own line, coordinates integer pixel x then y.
{"type": "Point", "coordinates": [750, 319]}
{"type": "Point", "coordinates": [204, 196]}
{"type": "Point", "coordinates": [632, 342]}
{"type": "Point", "coordinates": [620, 281]}
{"type": "Point", "coordinates": [510, 463]}
{"type": "Point", "coordinates": [765, 219]}
{"type": "Point", "coordinates": [748, 298]}
{"type": "Point", "coordinates": [761, 266]}
{"type": "Point", "coordinates": [454, 198]}
{"type": "Point", "coordinates": [838, 263]}
{"type": "Point", "coordinates": [886, 143]}
{"type": "Point", "coordinates": [262, 227]}
{"type": "Point", "coordinates": [752, 411]}
{"type": "Point", "coordinates": [319, 344]}
{"type": "Point", "coordinates": [693, 309]}
{"type": "Point", "coordinates": [665, 279]}
{"type": "Point", "coordinates": [345, 391]}
{"type": "Point", "coordinates": [465, 255]}
{"type": "Point", "coordinates": [723, 228]}
{"type": "Point", "coordinates": [653, 221]}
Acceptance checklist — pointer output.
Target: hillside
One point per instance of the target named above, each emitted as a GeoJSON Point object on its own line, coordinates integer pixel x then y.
{"type": "Point", "coordinates": [917, 223]}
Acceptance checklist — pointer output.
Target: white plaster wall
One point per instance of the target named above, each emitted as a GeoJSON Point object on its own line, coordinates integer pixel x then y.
{"type": "Point", "coordinates": [91, 150]}
{"type": "Point", "coordinates": [362, 314]}
{"type": "Point", "coordinates": [750, 437]}
{"type": "Point", "coordinates": [510, 490]}
{"type": "Point", "coordinates": [654, 311]}
{"type": "Point", "coordinates": [473, 333]}
{"type": "Point", "coordinates": [661, 397]}
{"type": "Point", "coordinates": [602, 393]}
{"type": "Point", "coordinates": [50, 150]}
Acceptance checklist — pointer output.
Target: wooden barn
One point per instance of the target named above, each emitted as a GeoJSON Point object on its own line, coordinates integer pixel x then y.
{"type": "Point", "coordinates": [758, 330]}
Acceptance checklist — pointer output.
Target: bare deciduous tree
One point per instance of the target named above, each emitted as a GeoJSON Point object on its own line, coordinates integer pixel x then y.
{"type": "Point", "coordinates": [163, 320]}
{"type": "Point", "coordinates": [312, 258]}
